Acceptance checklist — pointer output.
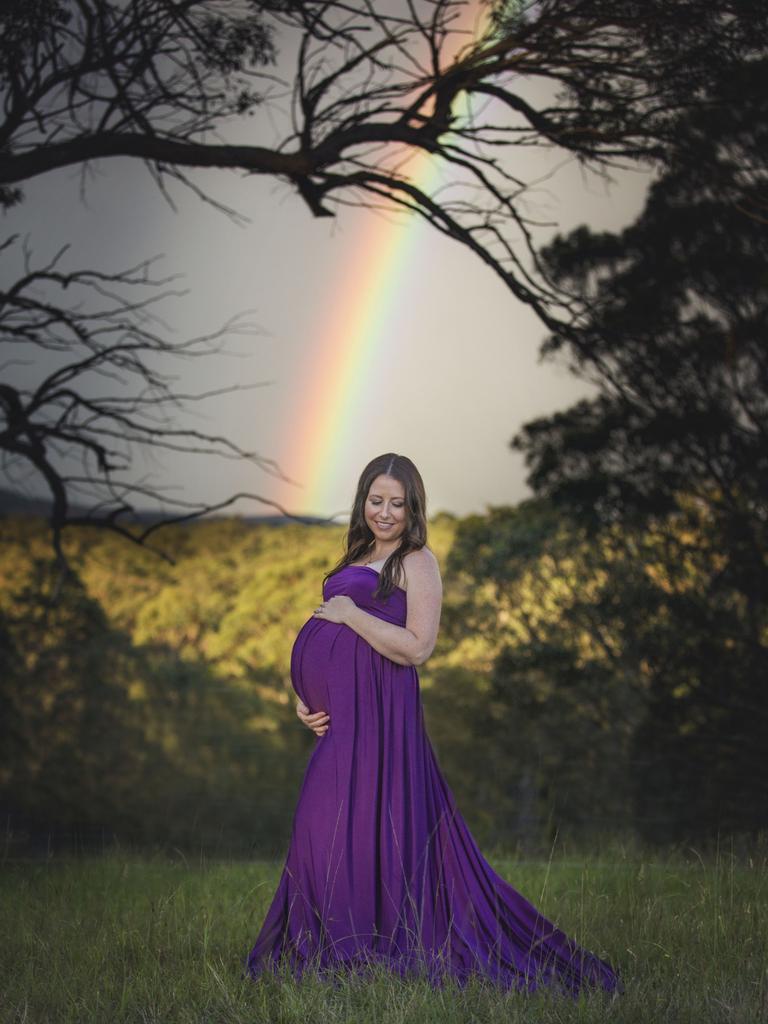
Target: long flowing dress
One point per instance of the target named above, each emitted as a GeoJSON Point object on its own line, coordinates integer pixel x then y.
{"type": "Point", "coordinates": [381, 867]}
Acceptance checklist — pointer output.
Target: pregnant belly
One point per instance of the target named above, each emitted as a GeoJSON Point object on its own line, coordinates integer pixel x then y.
{"type": "Point", "coordinates": [321, 653]}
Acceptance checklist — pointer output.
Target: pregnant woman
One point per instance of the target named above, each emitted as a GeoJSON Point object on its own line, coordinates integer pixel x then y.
{"type": "Point", "coordinates": [381, 867]}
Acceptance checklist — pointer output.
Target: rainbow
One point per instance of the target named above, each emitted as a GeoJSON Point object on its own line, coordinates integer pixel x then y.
{"type": "Point", "coordinates": [339, 369]}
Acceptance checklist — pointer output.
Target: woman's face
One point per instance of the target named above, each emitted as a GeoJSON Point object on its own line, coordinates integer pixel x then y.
{"type": "Point", "coordinates": [385, 511]}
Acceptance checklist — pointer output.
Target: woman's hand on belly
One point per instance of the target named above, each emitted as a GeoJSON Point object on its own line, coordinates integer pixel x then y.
{"type": "Point", "coordinates": [335, 609]}
{"type": "Point", "coordinates": [317, 722]}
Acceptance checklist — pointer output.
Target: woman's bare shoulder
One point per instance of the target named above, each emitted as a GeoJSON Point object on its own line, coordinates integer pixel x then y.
{"type": "Point", "coordinates": [421, 562]}
{"type": "Point", "coordinates": [423, 555]}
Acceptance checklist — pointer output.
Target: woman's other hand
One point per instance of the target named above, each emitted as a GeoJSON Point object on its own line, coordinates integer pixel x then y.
{"type": "Point", "coordinates": [317, 722]}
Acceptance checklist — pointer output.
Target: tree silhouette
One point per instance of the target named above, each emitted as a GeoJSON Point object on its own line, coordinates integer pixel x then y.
{"type": "Point", "coordinates": [175, 84]}
{"type": "Point", "coordinates": [671, 331]}
{"type": "Point", "coordinates": [95, 331]}
{"type": "Point", "coordinates": [163, 81]}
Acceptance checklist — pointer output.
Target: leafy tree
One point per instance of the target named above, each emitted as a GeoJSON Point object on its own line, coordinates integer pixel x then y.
{"type": "Point", "coordinates": [537, 618]}
{"type": "Point", "coordinates": [671, 331]}
{"type": "Point", "coordinates": [155, 702]}
{"type": "Point", "coordinates": [132, 707]}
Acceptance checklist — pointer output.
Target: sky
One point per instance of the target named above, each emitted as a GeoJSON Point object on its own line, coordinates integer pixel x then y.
{"type": "Point", "coordinates": [441, 361]}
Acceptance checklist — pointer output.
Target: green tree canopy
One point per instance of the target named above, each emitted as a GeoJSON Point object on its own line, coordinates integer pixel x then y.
{"type": "Point", "coordinates": [670, 328]}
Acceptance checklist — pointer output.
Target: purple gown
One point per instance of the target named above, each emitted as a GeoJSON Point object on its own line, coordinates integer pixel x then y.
{"type": "Point", "coordinates": [381, 866]}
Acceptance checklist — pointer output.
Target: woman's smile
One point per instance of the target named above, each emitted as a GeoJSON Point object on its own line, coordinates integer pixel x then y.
{"type": "Point", "coordinates": [386, 497]}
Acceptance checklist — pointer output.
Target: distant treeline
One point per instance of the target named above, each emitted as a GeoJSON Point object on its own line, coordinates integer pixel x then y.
{"type": "Point", "coordinates": [590, 683]}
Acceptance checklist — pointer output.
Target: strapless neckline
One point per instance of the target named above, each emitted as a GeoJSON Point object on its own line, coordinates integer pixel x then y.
{"type": "Point", "coordinates": [371, 569]}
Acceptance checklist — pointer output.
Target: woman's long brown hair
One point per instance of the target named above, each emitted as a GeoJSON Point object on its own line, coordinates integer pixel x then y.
{"type": "Point", "coordinates": [359, 537]}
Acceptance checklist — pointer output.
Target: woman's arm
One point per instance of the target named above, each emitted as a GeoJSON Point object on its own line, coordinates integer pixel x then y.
{"type": "Point", "coordinates": [413, 643]}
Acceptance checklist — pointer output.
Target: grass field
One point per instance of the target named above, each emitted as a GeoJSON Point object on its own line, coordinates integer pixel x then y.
{"type": "Point", "coordinates": [153, 940]}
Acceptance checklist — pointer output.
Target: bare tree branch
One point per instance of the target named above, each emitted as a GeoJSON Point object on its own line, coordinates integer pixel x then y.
{"type": "Point", "coordinates": [177, 84]}
{"type": "Point", "coordinates": [161, 80]}
{"type": "Point", "coordinates": [107, 330]}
